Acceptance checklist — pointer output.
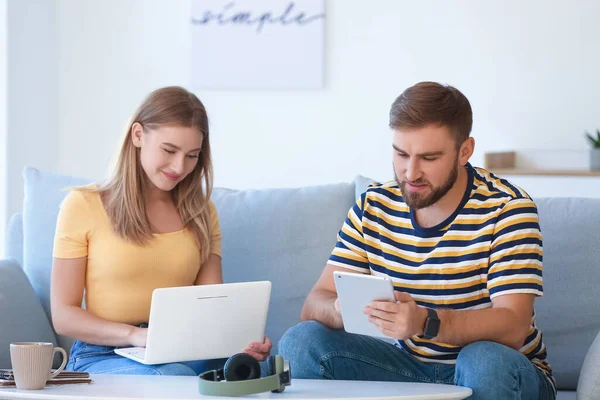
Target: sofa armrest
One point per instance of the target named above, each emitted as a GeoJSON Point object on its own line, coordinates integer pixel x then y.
{"type": "Point", "coordinates": [23, 318]}
{"type": "Point", "coordinates": [14, 239]}
{"type": "Point", "coordinates": [588, 386]}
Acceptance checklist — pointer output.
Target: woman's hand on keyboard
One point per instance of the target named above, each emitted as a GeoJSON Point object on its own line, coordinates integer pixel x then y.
{"type": "Point", "coordinates": [138, 336]}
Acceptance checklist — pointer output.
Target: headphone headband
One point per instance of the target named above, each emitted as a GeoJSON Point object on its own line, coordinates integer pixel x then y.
{"type": "Point", "coordinates": [240, 388]}
{"type": "Point", "coordinates": [211, 382]}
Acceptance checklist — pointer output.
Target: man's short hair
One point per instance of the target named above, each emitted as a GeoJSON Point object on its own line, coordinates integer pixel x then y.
{"type": "Point", "coordinates": [430, 103]}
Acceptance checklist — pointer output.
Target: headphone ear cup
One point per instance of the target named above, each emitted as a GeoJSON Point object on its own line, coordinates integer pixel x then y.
{"type": "Point", "coordinates": [271, 365]}
{"type": "Point", "coordinates": [278, 365]}
{"type": "Point", "coordinates": [241, 367]}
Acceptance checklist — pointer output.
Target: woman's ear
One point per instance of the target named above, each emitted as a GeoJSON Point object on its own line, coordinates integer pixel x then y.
{"type": "Point", "coordinates": [136, 134]}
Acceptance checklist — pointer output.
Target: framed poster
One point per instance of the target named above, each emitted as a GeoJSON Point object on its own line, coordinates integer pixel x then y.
{"type": "Point", "coordinates": [258, 44]}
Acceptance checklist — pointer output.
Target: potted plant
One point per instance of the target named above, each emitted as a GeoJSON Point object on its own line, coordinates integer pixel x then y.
{"type": "Point", "coordinates": [594, 141]}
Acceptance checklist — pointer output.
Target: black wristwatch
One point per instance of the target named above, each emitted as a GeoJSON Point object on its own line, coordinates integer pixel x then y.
{"type": "Point", "coordinates": [432, 324]}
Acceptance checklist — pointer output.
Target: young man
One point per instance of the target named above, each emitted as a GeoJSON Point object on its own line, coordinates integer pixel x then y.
{"type": "Point", "coordinates": [464, 251]}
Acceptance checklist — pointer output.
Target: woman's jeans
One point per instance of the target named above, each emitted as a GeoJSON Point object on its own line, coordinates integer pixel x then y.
{"type": "Point", "coordinates": [493, 371]}
{"type": "Point", "coordinates": [97, 359]}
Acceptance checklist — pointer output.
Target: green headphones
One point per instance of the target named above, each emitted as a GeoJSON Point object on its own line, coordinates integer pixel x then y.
{"type": "Point", "coordinates": [242, 376]}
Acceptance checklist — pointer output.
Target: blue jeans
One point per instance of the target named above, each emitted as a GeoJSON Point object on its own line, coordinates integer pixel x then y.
{"type": "Point", "coordinates": [491, 370]}
{"type": "Point", "coordinates": [97, 359]}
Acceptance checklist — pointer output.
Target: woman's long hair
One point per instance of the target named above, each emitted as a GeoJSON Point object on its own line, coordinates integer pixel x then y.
{"type": "Point", "coordinates": [123, 194]}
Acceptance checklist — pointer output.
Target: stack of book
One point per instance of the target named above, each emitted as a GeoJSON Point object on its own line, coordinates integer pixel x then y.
{"type": "Point", "coordinates": [7, 378]}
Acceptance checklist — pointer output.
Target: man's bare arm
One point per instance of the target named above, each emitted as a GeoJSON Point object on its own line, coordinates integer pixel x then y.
{"type": "Point", "coordinates": [320, 304]}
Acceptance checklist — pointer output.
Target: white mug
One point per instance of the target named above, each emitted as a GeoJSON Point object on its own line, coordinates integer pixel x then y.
{"type": "Point", "coordinates": [32, 363]}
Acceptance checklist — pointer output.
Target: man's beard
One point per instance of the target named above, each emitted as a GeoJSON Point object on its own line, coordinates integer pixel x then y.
{"type": "Point", "coordinates": [418, 200]}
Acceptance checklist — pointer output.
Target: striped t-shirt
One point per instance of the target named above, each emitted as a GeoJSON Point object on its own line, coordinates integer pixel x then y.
{"type": "Point", "coordinates": [490, 246]}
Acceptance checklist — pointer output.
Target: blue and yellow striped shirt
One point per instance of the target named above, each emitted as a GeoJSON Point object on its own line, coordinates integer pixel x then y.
{"type": "Point", "coordinates": [490, 246]}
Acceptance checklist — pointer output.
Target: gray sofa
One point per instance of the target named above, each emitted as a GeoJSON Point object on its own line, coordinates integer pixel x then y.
{"type": "Point", "coordinates": [286, 235]}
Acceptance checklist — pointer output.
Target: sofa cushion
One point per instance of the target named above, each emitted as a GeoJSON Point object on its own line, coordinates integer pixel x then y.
{"type": "Point", "coordinates": [566, 395]}
{"type": "Point", "coordinates": [281, 235]}
{"type": "Point", "coordinates": [44, 192]}
{"type": "Point", "coordinates": [361, 183]}
{"type": "Point", "coordinates": [22, 316]}
{"type": "Point", "coordinates": [569, 312]}
{"type": "Point", "coordinates": [14, 239]}
{"type": "Point", "coordinates": [284, 236]}
{"type": "Point", "coordinates": [588, 387]}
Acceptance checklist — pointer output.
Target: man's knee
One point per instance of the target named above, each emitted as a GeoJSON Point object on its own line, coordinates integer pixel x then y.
{"type": "Point", "coordinates": [488, 361]}
{"type": "Point", "coordinates": [303, 345]}
{"type": "Point", "coordinates": [495, 371]}
{"type": "Point", "coordinates": [298, 337]}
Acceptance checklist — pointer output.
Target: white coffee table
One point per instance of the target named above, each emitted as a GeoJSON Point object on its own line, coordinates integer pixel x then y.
{"type": "Point", "coordinates": [127, 387]}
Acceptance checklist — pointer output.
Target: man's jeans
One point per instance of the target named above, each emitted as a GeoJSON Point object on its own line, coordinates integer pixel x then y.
{"type": "Point", "coordinates": [97, 359]}
{"type": "Point", "coordinates": [491, 370]}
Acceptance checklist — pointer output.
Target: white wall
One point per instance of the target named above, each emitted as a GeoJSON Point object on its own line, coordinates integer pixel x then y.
{"type": "Point", "coordinates": [32, 92]}
{"type": "Point", "coordinates": [530, 70]}
{"type": "Point", "coordinates": [3, 135]}
{"type": "Point", "coordinates": [78, 69]}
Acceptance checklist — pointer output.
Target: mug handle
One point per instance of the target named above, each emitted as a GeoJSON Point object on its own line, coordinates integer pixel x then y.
{"type": "Point", "coordinates": [60, 369]}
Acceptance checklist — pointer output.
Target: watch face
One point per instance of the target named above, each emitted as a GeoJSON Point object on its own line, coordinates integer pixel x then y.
{"type": "Point", "coordinates": [436, 325]}
{"type": "Point", "coordinates": [432, 327]}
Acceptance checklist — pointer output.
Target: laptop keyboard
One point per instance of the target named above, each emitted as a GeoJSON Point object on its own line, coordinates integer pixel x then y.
{"type": "Point", "coordinates": [139, 353]}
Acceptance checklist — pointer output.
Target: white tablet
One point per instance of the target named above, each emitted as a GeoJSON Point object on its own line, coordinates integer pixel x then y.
{"type": "Point", "coordinates": [355, 292]}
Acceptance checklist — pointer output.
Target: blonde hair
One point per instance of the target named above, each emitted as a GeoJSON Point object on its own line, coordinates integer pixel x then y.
{"type": "Point", "coordinates": [123, 193]}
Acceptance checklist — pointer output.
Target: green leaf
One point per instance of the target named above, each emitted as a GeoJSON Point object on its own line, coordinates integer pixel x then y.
{"type": "Point", "coordinates": [594, 141]}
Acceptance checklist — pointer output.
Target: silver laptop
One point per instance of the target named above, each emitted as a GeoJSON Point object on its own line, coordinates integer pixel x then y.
{"type": "Point", "coordinates": [203, 322]}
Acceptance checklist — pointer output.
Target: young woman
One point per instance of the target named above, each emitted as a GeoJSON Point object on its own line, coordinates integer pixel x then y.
{"type": "Point", "coordinates": [151, 225]}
